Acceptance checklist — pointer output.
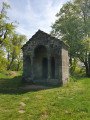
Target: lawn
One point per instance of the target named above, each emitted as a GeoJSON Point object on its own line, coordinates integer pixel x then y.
{"type": "Point", "coordinates": [69, 102]}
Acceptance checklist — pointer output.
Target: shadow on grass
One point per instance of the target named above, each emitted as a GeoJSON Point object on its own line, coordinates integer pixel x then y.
{"type": "Point", "coordinates": [16, 86]}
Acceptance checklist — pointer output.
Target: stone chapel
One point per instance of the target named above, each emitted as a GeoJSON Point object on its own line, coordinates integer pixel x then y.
{"type": "Point", "coordinates": [45, 60]}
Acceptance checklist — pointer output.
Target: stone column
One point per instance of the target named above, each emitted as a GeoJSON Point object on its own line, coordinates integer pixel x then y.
{"type": "Point", "coordinates": [24, 65]}
{"type": "Point", "coordinates": [24, 78]}
{"type": "Point", "coordinates": [32, 67]}
{"type": "Point", "coordinates": [60, 68]}
{"type": "Point", "coordinates": [49, 67]}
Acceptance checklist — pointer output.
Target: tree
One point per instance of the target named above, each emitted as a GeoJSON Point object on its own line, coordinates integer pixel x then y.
{"type": "Point", "coordinates": [68, 28]}
{"type": "Point", "coordinates": [21, 40]}
{"type": "Point", "coordinates": [13, 49]}
{"type": "Point", "coordinates": [72, 27]}
{"type": "Point", "coordinates": [84, 10]}
{"type": "Point", "coordinates": [6, 28]}
{"type": "Point", "coordinates": [10, 42]}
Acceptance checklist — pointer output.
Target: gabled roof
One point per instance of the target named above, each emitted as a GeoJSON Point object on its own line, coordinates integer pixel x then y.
{"type": "Point", "coordinates": [42, 32]}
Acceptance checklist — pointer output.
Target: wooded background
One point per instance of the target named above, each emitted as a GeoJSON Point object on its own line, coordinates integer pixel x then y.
{"type": "Point", "coordinates": [72, 26]}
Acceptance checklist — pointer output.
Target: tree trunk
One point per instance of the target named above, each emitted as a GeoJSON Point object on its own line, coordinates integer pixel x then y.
{"type": "Point", "coordinates": [8, 56]}
{"type": "Point", "coordinates": [86, 65]}
{"type": "Point", "coordinates": [70, 61]}
{"type": "Point", "coordinates": [9, 66]}
{"type": "Point", "coordinates": [18, 66]}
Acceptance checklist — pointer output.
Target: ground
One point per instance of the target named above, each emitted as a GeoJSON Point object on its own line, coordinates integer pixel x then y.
{"type": "Point", "coordinates": [19, 101]}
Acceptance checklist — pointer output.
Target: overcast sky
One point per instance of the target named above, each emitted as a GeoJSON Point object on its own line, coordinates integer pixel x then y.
{"type": "Point", "coordinates": [33, 14]}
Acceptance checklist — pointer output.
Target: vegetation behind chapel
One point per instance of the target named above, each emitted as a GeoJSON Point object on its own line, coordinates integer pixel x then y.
{"type": "Point", "coordinates": [72, 26]}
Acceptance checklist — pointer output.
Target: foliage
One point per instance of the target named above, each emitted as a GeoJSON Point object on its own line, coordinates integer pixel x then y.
{"type": "Point", "coordinates": [70, 101]}
{"type": "Point", "coordinates": [10, 42]}
{"type": "Point", "coordinates": [84, 56]}
{"type": "Point", "coordinates": [77, 73]}
{"type": "Point", "coordinates": [14, 48]}
{"type": "Point", "coordinates": [14, 66]}
{"type": "Point", "coordinates": [72, 26]}
{"type": "Point", "coordinates": [69, 28]}
{"type": "Point", "coordinates": [6, 28]}
{"type": "Point", "coordinates": [3, 63]}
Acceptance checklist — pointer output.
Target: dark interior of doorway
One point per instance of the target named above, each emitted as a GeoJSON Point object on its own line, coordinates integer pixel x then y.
{"type": "Point", "coordinates": [44, 68]}
{"type": "Point", "coordinates": [52, 67]}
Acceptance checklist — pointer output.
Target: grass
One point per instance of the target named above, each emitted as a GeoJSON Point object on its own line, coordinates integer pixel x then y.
{"type": "Point", "coordinates": [69, 102]}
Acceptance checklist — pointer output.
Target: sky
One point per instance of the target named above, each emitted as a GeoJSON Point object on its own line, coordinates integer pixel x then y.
{"type": "Point", "coordinates": [33, 15]}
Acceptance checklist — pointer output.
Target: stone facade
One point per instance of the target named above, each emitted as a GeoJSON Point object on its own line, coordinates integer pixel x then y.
{"type": "Point", "coordinates": [45, 60]}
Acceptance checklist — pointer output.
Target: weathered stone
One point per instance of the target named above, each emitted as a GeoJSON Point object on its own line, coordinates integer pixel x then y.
{"type": "Point", "coordinates": [45, 60]}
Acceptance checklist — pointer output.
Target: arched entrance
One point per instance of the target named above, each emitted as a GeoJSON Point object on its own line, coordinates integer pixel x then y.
{"type": "Point", "coordinates": [40, 62]}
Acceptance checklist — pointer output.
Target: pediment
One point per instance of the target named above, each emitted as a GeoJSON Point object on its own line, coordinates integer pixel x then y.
{"type": "Point", "coordinates": [42, 37]}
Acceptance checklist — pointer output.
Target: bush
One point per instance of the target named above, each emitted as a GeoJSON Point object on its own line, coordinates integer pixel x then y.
{"type": "Point", "coordinates": [77, 74]}
{"type": "Point", "coordinates": [14, 66]}
{"type": "Point", "coordinates": [3, 63]}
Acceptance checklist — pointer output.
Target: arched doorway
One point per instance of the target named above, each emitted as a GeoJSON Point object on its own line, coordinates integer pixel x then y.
{"type": "Point", "coordinates": [40, 62]}
{"type": "Point", "coordinates": [52, 67]}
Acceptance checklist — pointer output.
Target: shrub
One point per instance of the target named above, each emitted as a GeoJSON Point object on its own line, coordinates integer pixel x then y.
{"type": "Point", "coordinates": [3, 63]}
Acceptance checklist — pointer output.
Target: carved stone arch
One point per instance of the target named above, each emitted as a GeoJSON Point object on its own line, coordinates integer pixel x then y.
{"type": "Point", "coordinates": [36, 46]}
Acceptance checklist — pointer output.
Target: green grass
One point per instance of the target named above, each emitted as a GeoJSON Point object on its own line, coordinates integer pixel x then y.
{"type": "Point", "coordinates": [69, 102]}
